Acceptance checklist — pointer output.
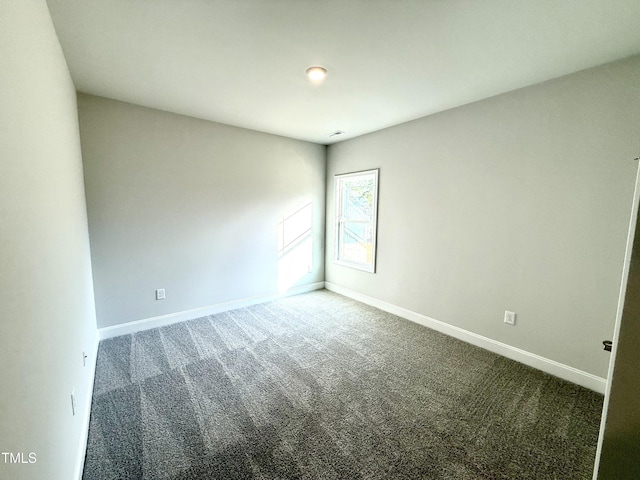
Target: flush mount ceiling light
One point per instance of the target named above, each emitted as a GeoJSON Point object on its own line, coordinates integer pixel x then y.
{"type": "Point", "coordinates": [316, 73]}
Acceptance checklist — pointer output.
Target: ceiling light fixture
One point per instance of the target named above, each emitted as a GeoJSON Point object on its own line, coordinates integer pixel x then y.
{"type": "Point", "coordinates": [316, 73]}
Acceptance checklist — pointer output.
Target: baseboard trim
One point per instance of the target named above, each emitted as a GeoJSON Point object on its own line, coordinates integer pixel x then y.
{"type": "Point", "coordinates": [163, 320]}
{"type": "Point", "coordinates": [551, 367]}
{"type": "Point", "coordinates": [86, 413]}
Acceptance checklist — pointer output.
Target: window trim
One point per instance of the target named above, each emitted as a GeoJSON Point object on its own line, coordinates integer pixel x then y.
{"type": "Point", "coordinates": [338, 178]}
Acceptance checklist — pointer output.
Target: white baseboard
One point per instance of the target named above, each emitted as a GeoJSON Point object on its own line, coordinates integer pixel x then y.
{"type": "Point", "coordinates": [163, 320]}
{"type": "Point", "coordinates": [551, 367]}
{"type": "Point", "coordinates": [92, 357]}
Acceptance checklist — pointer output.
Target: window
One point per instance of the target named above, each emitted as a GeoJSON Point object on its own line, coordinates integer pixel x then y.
{"type": "Point", "coordinates": [356, 198]}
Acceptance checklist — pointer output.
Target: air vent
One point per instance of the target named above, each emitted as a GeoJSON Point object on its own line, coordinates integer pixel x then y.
{"type": "Point", "coordinates": [337, 133]}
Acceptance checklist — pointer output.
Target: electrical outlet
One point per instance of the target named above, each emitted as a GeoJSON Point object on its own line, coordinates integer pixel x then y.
{"type": "Point", "coordinates": [73, 402]}
{"type": "Point", "coordinates": [509, 317]}
{"type": "Point", "coordinates": [160, 294]}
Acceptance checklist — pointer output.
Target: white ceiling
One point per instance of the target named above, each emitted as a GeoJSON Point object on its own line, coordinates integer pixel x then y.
{"type": "Point", "coordinates": [242, 62]}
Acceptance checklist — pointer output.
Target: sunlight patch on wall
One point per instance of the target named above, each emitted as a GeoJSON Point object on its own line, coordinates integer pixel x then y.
{"type": "Point", "coordinates": [295, 246]}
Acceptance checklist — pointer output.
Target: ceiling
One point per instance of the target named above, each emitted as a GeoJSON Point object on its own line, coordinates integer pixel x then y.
{"type": "Point", "coordinates": [242, 62]}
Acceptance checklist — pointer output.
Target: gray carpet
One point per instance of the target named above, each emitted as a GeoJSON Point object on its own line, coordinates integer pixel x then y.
{"type": "Point", "coordinates": [318, 386]}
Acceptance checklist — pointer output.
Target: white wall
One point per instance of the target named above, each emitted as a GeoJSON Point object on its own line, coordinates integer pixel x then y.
{"type": "Point", "coordinates": [47, 315]}
{"type": "Point", "coordinates": [189, 206]}
{"type": "Point", "coordinates": [520, 202]}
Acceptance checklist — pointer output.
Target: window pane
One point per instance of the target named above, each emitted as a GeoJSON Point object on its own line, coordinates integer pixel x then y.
{"type": "Point", "coordinates": [358, 200]}
{"type": "Point", "coordinates": [357, 242]}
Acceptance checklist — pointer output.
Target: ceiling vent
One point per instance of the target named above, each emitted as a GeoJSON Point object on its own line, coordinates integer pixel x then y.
{"type": "Point", "coordinates": [337, 133]}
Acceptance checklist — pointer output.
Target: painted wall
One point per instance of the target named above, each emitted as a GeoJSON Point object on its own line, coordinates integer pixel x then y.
{"type": "Point", "coordinates": [193, 207]}
{"type": "Point", "coordinates": [520, 202]}
{"type": "Point", "coordinates": [47, 315]}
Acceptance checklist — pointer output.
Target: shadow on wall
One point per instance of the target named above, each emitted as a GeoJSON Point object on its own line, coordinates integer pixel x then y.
{"type": "Point", "coordinates": [295, 246]}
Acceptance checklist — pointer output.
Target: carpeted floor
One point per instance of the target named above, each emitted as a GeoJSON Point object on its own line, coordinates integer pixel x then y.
{"type": "Point", "coordinates": [318, 386]}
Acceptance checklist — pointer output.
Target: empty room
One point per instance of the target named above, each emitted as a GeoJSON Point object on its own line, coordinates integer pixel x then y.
{"type": "Point", "coordinates": [321, 239]}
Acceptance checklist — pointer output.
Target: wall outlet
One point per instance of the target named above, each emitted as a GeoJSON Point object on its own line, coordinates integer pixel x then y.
{"type": "Point", "coordinates": [73, 402]}
{"type": "Point", "coordinates": [509, 317]}
{"type": "Point", "coordinates": [160, 294]}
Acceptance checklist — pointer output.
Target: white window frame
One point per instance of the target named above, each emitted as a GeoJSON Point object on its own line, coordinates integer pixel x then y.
{"type": "Point", "coordinates": [339, 181]}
